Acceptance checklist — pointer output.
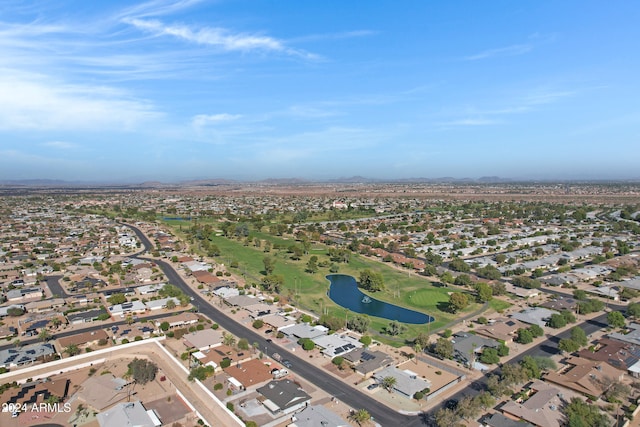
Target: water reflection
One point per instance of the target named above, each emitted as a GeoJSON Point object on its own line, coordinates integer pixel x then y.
{"type": "Point", "coordinates": [344, 292]}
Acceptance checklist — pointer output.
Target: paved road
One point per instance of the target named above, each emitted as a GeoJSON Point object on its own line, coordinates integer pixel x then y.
{"type": "Point", "coordinates": [337, 388]}
{"type": "Point", "coordinates": [315, 375]}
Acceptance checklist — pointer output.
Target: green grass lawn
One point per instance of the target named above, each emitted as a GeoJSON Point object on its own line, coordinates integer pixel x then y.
{"type": "Point", "coordinates": [499, 305]}
{"type": "Point", "coordinates": [309, 291]}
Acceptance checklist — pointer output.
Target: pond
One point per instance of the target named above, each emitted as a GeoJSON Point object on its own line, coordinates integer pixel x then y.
{"type": "Point", "coordinates": [344, 292]}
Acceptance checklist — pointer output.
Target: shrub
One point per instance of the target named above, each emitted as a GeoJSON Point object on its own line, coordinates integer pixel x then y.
{"type": "Point", "coordinates": [218, 386]}
{"type": "Point", "coordinates": [258, 324]}
{"type": "Point", "coordinates": [229, 404]}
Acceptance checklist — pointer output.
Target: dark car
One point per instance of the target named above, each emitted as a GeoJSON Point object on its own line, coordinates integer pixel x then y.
{"type": "Point", "coordinates": [269, 340]}
{"type": "Point", "coordinates": [287, 363]}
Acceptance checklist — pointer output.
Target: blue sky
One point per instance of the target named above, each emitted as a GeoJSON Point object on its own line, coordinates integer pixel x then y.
{"type": "Point", "coordinates": [172, 90]}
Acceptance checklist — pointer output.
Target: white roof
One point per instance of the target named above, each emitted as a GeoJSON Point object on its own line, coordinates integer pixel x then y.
{"type": "Point", "coordinates": [159, 303]}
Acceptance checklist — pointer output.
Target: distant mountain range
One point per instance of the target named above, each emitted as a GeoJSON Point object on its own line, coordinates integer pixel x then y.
{"type": "Point", "coordinates": [53, 183]}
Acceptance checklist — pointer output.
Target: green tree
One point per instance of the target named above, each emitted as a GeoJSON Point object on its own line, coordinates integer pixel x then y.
{"type": "Point", "coordinates": [307, 344]}
{"type": "Point", "coordinates": [394, 328]}
{"type": "Point", "coordinates": [72, 350]}
{"type": "Point", "coordinates": [496, 386]}
{"type": "Point", "coordinates": [371, 281]}
{"type": "Point", "coordinates": [489, 356]}
{"type": "Point", "coordinates": [361, 416]}
{"type": "Point", "coordinates": [118, 298]}
{"type": "Point", "coordinates": [458, 301]}
{"type": "Point", "coordinates": [530, 367]}
{"type": "Point", "coordinates": [312, 265]}
{"type": "Point", "coordinates": [579, 336]}
{"type": "Point", "coordinates": [269, 265]}
{"type": "Point", "coordinates": [568, 316]}
{"type": "Point", "coordinates": [358, 323]}
{"type": "Point", "coordinates": [164, 326]}
{"type": "Point", "coordinates": [15, 311]}
{"type": "Point", "coordinates": [485, 400]}
{"type": "Point", "coordinates": [468, 408]}
{"type": "Point", "coordinates": [514, 374]}
{"type": "Point", "coordinates": [243, 344]}
{"type": "Point", "coordinates": [457, 264]}
{"type": "Point", "coordinates": [170, 304]}
{"type": "Point", "coordinates": [633, 309]}
{"type": "Point", "coordinates": [273, 283]}
{"type": "Point", "coordinates": [536, 331]}
{"type": "Point", "coordinates": [484, 292]}
{"type": "Point", "coordinates": [443, 348]}
{"type": "Point", "coordinates": [142, 370]}
{"type": "Point", "coordinates": [228, 339]}
{"type": "Point", "coordinates": [524, 336]}
{"type": "Point", "coordinates": [557, 321]}
{"type": "Point", "coordinates": [338, 361]}
{"type": "Point", "coordinates": [258, 323]}
{"type": "Point", "coordinates": [581, 414]}
{"type": "Point", "coordinates": [568, 345]}
{"type": "Point", "coordinates": [388, 383]}
{"type": "Point", "coordinates": [615, 319]}
{"type": "Point", "coordinates": [447, 418]}
{"type": "Point", "coordinates": [365, 340]}
{"type": "Point", "coordinates": [44, 335]}
{"type": "Point", "coordinates": [334, 323]}
{"type": "Point", "coordinates": [422, 340]}
{"type": "Point", "coordinates": [463, 280]}
{"type": "Point", "coordinates": [201, 372]}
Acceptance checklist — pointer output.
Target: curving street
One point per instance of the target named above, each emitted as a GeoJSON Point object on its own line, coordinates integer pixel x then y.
{"type": "Point", "coordinates": [300, 366]}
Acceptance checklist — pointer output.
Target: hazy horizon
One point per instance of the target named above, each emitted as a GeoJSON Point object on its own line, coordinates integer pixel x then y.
{"type": "Point", "coordinates": [176, 90]}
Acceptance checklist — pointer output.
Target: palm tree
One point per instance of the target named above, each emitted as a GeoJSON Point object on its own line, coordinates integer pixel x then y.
{"type": "Point", "coordinates": [72, 350]}
{"type": "Point", "coordinates": [361, 416]}
{"type": "Point", "coordinates": [418, 349]}
{"type": "Point", "coordinates": [56, 322]}
{"type": "Point", "coordinates": [388, 383]}
{"type": "Point", "coordinates": [228, 339]}
{"type": "Point", "coordinates": [44, 335]}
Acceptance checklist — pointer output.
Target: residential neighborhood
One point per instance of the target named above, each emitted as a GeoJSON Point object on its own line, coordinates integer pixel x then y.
{"type": "Point", "coordinates": [533, 311]}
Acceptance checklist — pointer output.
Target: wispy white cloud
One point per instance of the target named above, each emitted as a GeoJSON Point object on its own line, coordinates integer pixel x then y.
{"type": "Point", "coordinates": [36, 102]}
{"type": "Point", "coordinates": [157, 8]}
{"type": "Point", "coordinates": [218, 37]}
{"type": "Point", "coordinates": [201, 120]}
{"type": "Point", "coordinates": [335, 36]}
{"type": "Point", "coordinates": [470, 122]}
{"type": "Point", "coordinates": [62, 145]}
{"type": "Point", "coordinates": [517, 49]}
{"type": "Point", "coordinates": [545, 96]}
{"type": "Point", "coordinates": [532, 101]}
{"type": "Point", "coordinates": [308, 112]}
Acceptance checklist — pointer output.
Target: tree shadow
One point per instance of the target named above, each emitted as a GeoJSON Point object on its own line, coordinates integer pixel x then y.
{"type": "Point", "coordinates": [444, 306]}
